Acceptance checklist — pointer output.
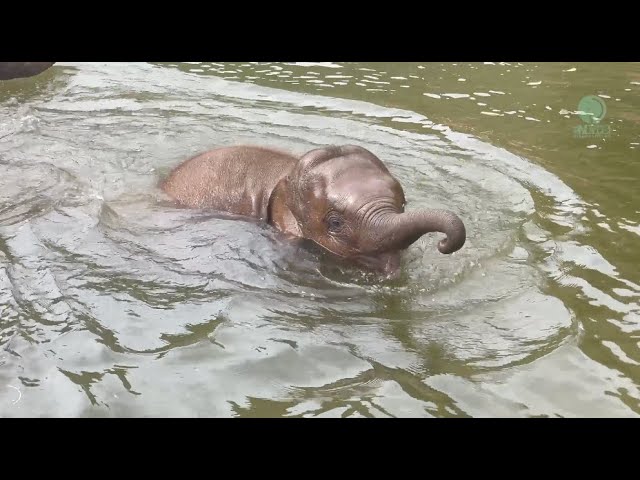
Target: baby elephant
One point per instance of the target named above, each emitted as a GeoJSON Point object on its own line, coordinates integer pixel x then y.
{"type": "Point", "coordinates": [343, 198]}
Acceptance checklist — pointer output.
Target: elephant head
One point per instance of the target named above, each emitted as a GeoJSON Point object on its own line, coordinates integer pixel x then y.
{"type": "Point", "coordinates": [346, 200]}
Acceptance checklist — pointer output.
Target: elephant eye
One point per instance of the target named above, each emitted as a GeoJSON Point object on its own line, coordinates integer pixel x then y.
{"type": "Point", "coordinates": [335, 223]}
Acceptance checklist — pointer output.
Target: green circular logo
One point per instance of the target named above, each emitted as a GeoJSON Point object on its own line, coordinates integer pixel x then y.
{"type": "Point", "coordinates": [593, 107]}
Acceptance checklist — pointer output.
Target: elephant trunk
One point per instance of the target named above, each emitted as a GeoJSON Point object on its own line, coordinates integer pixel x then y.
{"type": "Point", "coordinates": [406, 228]}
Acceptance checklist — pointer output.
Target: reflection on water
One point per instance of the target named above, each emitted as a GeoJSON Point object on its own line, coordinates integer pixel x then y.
{"type": "Point", "coordinates": [112, 302]}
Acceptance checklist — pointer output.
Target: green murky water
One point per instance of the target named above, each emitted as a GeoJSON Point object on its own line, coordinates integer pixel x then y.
{"type": "Point", "coordinates": [113, 304]}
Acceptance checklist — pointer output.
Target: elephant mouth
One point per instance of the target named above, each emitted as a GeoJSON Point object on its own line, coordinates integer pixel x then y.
{"type": "Point", "coordinates": [385, 264]}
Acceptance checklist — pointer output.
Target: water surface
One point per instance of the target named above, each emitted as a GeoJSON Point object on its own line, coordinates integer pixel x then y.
{"type": "Point", "coordinates": [113, 303]}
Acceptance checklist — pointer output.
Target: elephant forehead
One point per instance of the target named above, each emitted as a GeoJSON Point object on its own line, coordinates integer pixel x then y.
{"type": "Point", "coordinates": [356, 190]}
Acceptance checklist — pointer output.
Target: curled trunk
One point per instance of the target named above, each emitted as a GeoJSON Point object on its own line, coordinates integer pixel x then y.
{"type": "Point", "coordinates": [406, 228]}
